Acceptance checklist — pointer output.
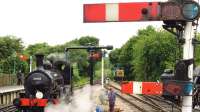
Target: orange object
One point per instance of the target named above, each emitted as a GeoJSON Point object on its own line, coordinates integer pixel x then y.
{"type": "Point", "coordinates": [127, 87]}
{"type": "Point", "coordinates": [23, 57]}
{"type": "Point", "coordinates": [148, 88]}
{"type": "Point", "coordinates": [152, 88]}
{"type": "Point", "coordinates": [25, 102]}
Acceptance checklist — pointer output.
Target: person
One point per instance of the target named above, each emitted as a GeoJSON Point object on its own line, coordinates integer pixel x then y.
{"type": "Point", "coordinates": [99, 108]}
{"type": "Point", "coordinates": [19, 78]}
{"type": "Point", "coordinates": [111, 99]}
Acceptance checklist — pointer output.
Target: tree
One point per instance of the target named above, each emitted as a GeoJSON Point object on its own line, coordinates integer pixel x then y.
{"type": "Point", "coordinates": [154, 52]}
{"type": "Point", "coordinates": [114, 56]}
{"type": "Point", "coordinates": [86, 40]}
{"type": "Point", "coordinates": [38, 48]}
{"type": "Point", "coordinates": [9, 61]}
{"type": "Point", "coordinates": [9, 46]}
{"type": "Point", "coordinates": [146, 55]}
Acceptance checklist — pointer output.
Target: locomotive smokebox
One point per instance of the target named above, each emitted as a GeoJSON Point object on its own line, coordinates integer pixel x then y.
{"type": "Point", "coordinates": [39, 60]}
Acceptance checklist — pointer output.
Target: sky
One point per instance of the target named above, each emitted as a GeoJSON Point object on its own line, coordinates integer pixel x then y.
{"type": "Point", "coordinates": [59, 21]}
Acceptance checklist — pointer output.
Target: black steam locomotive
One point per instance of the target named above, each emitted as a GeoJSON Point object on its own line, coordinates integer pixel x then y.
{"type": "Point", "coordinates": [51, 81]}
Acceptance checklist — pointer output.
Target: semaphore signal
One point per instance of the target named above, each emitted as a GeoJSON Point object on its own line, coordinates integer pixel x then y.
{"type": "Point", "coordinates": [178, 16]}
{"type": "Point", "coordinates": [141, 11]}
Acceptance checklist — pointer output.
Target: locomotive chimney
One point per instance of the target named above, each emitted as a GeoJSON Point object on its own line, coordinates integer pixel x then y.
{"type": "Point", "coordinates": [39, 60]}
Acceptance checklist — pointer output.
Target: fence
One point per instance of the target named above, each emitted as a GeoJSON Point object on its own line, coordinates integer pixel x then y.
{"type": "Point", "coordinates": [7, 79]}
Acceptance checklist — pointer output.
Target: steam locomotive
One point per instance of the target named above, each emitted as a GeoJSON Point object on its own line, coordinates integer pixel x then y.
{"type": "Point", "coordinates": [51, 81]}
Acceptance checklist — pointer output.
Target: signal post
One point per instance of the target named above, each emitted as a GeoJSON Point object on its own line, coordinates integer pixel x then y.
{"type": "Point", "coordinates": [178, 17]}
{"type": "Point", "coordinates": [93, 56]}
{"type": "Point", "coordinates": [188, 53]}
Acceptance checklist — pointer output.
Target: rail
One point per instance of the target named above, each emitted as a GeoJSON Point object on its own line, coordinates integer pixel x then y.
{"type": "Point", "coordinates": [138, 103]}
{"type": "Point", "coordinates": [8, 108]}
{"type": "Point", "coordinates": [156, 104]}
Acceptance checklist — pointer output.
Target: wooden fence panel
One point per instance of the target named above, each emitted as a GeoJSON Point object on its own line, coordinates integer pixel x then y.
{"type": "Point", "coordinates": [7, 79]}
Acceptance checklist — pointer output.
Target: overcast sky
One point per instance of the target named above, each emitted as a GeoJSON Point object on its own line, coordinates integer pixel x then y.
{"type": "Point", "coordinates": [58, 21]}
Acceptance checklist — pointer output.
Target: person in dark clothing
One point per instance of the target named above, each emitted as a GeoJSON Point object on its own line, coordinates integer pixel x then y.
{"type": "Point", "coordinates": [111, 99]}
{"type": "Point", "coordinates": [20, 78]}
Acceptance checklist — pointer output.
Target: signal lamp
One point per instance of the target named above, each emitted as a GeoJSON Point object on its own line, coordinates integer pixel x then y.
{"type": "Point", "coordinates": [190, 10]}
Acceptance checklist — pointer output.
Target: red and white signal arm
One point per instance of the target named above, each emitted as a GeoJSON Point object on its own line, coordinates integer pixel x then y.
{"type": "Point", "coordinates": [121, 12]}
{"type": "Point", "coordinates": [148, 88]}
{"type": "Point", "coordinates": [141, 11]}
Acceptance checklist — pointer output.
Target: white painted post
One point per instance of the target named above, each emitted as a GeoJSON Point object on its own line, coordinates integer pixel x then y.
{"type": "Point", "coordinates": [188, 50]}
{"type": "Point", "coordinates": [30, 65]}
{"type": "Point", "coordinates": [102, 69]}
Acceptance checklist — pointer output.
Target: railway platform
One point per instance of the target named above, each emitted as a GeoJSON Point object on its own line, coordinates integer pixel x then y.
{"type": "Point", "coordinates": [8, 93]}
{"type": "Point", "coordinates": [6, 89]}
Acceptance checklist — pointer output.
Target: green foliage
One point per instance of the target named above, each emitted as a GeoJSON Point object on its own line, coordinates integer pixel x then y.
{"type": "Point", "coordinates": [145, 56]}
{"type": "Point", "coordinates": [38, 48]}
{"type": "Point", "coordinates": [9, 46]}
{"type": "Point", "coordinates": [85, 41]}
{"type": "Point", "coordinates": [107, 69]}
{"type": "Point", "coordinates": [114, 56]}
{"type": "Point", "coordinates": [155, 51]}
{"type": "Point", "coordinates": [197, 52]}
{"type": "Point", "coordinates": [75, 56]}
{"type": "Point", "coordinates": [9, 61]}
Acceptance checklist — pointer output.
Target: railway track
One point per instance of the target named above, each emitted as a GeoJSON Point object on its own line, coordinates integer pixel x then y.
{"type": "Point", "coordinates": [146, 103]}
{"type": "Point", "coordinates": [8, 108]}
{"type": "Point", "coordinates": [163, 103]}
